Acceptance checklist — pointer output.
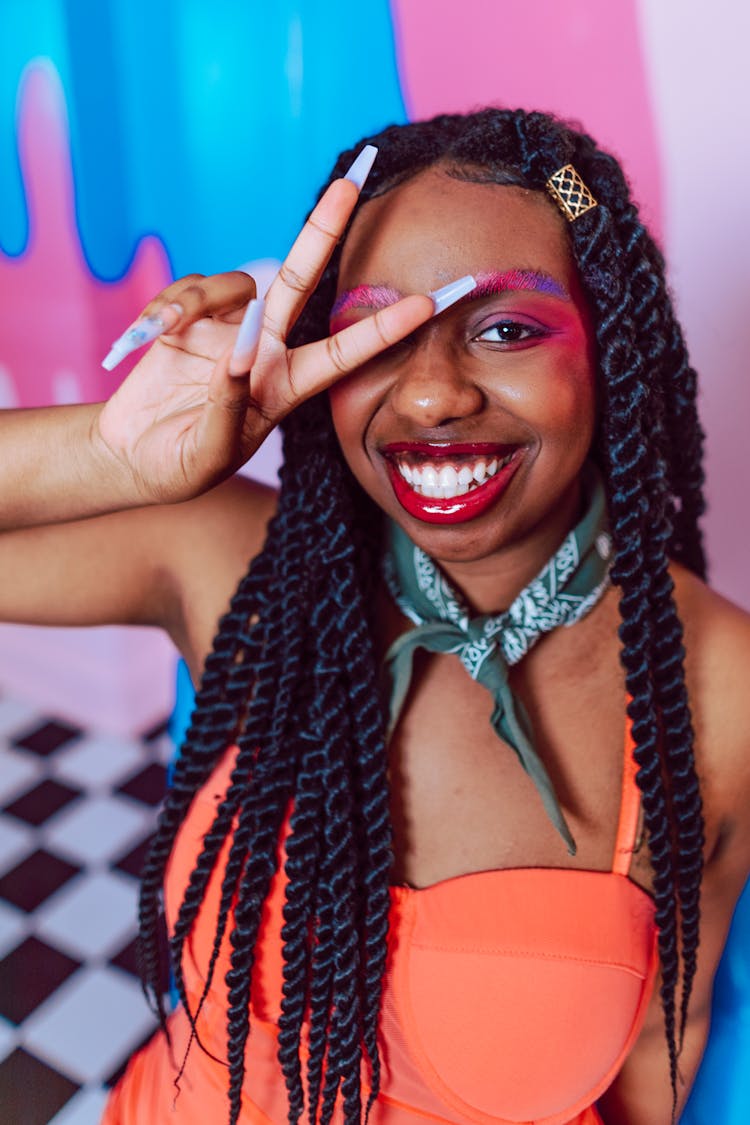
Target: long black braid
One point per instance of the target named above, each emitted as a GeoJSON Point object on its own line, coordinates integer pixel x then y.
{"type": "Point", "coordinates": [293, 677]}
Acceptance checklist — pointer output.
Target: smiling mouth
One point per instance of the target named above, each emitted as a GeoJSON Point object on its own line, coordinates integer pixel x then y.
{"type": "Point", "coordinates": [446, 483]}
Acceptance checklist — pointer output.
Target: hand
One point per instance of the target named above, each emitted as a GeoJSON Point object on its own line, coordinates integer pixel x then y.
{"type": "Point", "coordinates": [190, 414]}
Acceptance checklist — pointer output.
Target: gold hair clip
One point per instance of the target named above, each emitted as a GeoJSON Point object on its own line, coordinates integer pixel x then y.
{"type": "Point", "coordinates": [570, 192]}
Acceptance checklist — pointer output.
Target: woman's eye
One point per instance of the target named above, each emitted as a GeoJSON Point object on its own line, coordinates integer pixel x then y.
{"type": "Point", "coordinates": [508, 332]}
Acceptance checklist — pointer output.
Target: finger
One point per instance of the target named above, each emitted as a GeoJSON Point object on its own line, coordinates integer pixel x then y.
{"type": "Point", "coordinates": [161, 300]}
{"type": "Point", "coordinates": [304, 264]}
{"type": "Point", "coordinates": [196, 296]}
{"type": "Point", "coordinates": [315, 367]}
{"type": "Point", "coordinates": [181, 304]}
{"type": "Point", "coordinates": [200, 297]}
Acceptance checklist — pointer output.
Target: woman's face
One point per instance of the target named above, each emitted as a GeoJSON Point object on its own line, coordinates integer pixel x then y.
{"type": "Point", "coordinates": [471, 433]}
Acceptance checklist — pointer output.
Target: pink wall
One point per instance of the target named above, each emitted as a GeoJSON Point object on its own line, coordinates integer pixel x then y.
{"type": "Point", "coordinates": [536, 54]}
{"type": "Point", "coordinates": [698, 75]}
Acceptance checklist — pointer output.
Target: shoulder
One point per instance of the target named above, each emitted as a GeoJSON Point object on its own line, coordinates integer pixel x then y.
{"type": "Point", "coordinates": [206, 547]}
{"type": "Point", "coordinates": [717, 661]}
{"type": "Point", "coordinates": [224, 525]}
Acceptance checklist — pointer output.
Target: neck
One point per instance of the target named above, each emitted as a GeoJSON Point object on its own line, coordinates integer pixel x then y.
{"type": "Point", "coordinates": [492, 584]}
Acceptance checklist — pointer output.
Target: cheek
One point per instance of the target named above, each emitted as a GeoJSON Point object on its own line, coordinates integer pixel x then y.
{"type": "Point", "coordinates": [352, 402]}
{"type": "Point", "coordinates": [567, 400]}
{"type": "Point", "coordinates": [573, 398]}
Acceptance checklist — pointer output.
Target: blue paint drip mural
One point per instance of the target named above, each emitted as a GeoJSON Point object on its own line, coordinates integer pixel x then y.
{"type": "Point", "coordinates": [211, 125]}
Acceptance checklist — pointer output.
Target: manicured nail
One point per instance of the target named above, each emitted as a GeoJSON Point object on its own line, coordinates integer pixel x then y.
{"type": "Point", "coordinates": [246, 344]}
{"type": "Point", "coordinates": [452, 292]}
{"type": "Point", "coordinates": [360, 169]}
{"type": "Point", "coordinates": [144, 331]}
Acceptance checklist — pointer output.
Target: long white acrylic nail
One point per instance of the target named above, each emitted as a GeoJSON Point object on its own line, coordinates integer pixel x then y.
{"type": "Point", "coordinates": [144, 331]}
{"type": "Point", "coordinates": [246, 344]}
{"type": "Point", "coordinates": [452, 292]}
{"type": "Point", "coordinates": [360, 168]}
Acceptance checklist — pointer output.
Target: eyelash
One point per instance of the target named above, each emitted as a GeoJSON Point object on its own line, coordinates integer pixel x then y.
{"type": "Point", "coordinates": [521, 332]}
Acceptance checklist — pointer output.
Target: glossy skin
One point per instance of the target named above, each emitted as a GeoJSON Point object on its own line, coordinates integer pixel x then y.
{"type": "Point", "coordinates": [180, 424]}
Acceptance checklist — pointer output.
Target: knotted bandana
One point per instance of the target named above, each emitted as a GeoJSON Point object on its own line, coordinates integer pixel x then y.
{"type": "Point", "coordinates": [563, 592]}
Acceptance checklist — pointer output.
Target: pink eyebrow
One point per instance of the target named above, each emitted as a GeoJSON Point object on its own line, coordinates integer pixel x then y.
{"type": "Point", "coordinates": [365, 297]}
{"type": "Point", "coordinates": [488, 284]}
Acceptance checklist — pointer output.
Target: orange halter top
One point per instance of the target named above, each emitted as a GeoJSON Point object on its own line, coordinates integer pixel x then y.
{"type": "Point", "coordinates": [510, 996]}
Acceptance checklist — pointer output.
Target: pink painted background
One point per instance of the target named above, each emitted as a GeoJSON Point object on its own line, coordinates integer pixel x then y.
{"type": "Point", "coordinates": [644, 77]}
{"type": "Point", "coordinates": [559, 57]}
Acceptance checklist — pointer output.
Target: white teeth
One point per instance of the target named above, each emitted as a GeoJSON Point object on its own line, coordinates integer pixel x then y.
{"type": "Point", "coordinates": [448, 477]}
{"type": "Point", "coordinates": [429, 481]}
{"type": "Point", "coordinates": [444, 482]}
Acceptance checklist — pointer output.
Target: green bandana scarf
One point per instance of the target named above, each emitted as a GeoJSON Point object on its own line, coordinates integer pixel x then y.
{"type": "Point", "coordinates": [563, 592]}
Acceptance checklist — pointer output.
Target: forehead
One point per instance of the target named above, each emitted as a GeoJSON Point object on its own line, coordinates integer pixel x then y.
{"type": "Point", "coordinates": [434, 228]}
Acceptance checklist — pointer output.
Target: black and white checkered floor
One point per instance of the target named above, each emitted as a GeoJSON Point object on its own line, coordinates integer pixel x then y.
{"type": "Point", "coordinates": [76, 811]}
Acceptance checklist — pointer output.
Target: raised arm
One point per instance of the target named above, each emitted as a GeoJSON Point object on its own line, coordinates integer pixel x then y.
{"type": "Point", "coordinates": [189, 414]}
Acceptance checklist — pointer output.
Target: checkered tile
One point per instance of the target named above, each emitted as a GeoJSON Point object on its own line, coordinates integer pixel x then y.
{"type": "Point", "coordinates": [77, 809]}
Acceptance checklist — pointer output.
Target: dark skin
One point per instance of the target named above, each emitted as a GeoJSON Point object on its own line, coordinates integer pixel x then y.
{"type": "Point", "coordinates": [460, 801]}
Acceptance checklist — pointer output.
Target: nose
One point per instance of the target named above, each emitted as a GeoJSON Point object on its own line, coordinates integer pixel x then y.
{"type": "Point", "coordinates": [433, 387]}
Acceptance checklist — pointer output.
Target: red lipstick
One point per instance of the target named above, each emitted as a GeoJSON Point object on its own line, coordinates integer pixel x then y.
{"type": "Point", "coordinates": [457, 509]}
{"type": "Point", "coordinates": [441, 449]}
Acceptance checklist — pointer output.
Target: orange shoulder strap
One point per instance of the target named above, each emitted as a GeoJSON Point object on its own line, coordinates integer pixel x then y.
{"type": "Point", "coordinates": [630, 805]}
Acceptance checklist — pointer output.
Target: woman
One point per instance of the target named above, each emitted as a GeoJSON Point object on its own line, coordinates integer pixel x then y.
{"type": "Point", "coordinates": [444, 933]}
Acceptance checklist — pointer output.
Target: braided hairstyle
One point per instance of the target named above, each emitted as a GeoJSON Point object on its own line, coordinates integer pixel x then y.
{"type": "Point", "coordinates": [293, 678]}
